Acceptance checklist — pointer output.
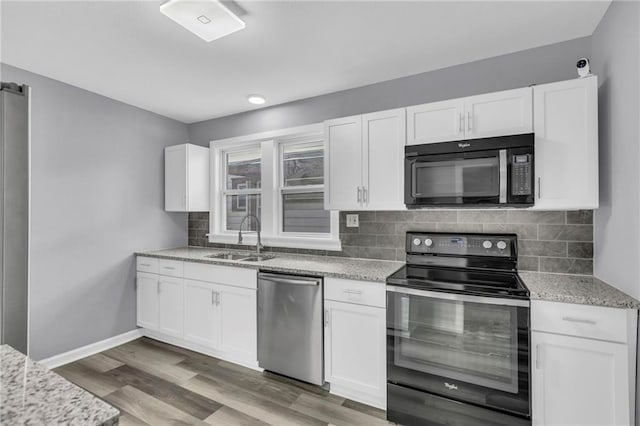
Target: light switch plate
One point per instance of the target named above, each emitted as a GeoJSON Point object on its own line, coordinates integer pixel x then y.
{"type": "Point", "coordinates": [352, 221]}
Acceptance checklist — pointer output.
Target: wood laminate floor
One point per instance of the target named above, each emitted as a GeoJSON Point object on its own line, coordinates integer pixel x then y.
{"type": "Point", "coordinates": [158, 384]}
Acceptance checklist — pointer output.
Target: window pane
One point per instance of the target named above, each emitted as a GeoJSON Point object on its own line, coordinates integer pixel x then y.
{"type": "Point", "coordinates": [303, 164]}
{"type": "Point", "coordinates": [243, 169]}
{"type": "Point", "coordinates": [305, 213]}
{"type": "Point", "coordinates": [238, 206]}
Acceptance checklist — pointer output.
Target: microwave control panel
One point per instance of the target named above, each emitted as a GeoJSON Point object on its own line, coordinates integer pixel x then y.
{"type": "Point", "coordinates": [521, 174]}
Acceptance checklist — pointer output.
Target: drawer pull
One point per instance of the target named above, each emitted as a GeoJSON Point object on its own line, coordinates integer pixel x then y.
{"type": "Point", "coordinates": [538, 360]}
{"type": "Point", "coordinates": [171, 268]}
{"type": "Point", "coordinates": [350, 291]}
{"type": "Point", "coordinates": [579, 320]}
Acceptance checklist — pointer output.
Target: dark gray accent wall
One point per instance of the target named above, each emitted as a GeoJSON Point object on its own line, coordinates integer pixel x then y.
{"type": "Point", "coordinates": [97, 196]}
{"type": "Point", "coordinates": [539, 65]}
{"type": "Point", "coordinates": [555, 241]}
{"type": "Point", "coordinates": [616, 61]}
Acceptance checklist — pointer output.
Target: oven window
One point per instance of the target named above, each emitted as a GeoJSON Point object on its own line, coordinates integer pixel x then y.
{"type": "Point", "coordinates": [471, 342]}
{"type": "Point", "coordinates": [475, 177]}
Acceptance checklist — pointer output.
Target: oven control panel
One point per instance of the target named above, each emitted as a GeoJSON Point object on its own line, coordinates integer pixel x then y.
{"type": "Point", "coordinates": [495, 245]}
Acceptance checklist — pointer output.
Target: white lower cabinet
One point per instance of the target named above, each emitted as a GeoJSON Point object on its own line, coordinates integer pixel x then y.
{"type": "Point", "coordinates": [577, 377]}
{"type": "Point", "coordinates": [355, 344]}
{"type": "Point", "coordinates": [215, 313]}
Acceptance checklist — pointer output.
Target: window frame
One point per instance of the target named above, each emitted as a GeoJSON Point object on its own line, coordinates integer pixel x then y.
{"type": "Point", "coordinates": [271, 145]}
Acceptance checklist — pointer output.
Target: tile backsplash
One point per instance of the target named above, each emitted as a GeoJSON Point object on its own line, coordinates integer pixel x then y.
{"type": "Point", "coordinates": [556, 241]}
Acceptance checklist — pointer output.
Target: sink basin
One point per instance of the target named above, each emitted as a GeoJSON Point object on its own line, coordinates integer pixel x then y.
{"type": "Point", "coordinates": [229, 256]}
{"type": "Point", "coordinates": [259, 258]}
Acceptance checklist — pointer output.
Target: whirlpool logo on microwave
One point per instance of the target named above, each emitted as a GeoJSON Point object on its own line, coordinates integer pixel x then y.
{"type": "Point", "coordinates": [450, 386]}
{"type": "Point", "coordinates": [463, 145]}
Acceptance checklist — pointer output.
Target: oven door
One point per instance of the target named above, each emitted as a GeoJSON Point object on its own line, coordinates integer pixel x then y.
{"type": "Point", "coordinates": [467, 348]}
{"type": "Point", "coordinates": [478, 177]}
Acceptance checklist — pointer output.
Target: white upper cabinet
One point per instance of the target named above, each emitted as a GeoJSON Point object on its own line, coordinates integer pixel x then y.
{"type": "Point", "coordinates": [365, 161]}
{"type": "Point", "coordinates": [436, 122]}
{"type": "Point", "coordinates": [186, 178]}
{"type": "Point", "coordinates": [508, 112]}
{"type": "Point", "coordinates": [566, 144]}
{"type": "Point", "coordinates": [343, 168]}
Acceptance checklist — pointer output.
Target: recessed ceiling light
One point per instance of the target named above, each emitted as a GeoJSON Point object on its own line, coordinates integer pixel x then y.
{"type": "Point", "coordinates": [208, 19]}
{"type": "Point", "coordinates": [256, 99]}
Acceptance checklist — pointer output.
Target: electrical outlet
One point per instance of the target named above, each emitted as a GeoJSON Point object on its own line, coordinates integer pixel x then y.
{"type": "Point", "coordinates": [352, 221]}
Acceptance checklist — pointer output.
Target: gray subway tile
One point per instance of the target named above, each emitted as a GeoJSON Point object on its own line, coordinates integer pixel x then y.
{"type": "Point", "coordinates": [377, 228]}
{"type": "Point", "coordinates": [392, 241]}
{"type": "Point", "coordinates": [403, 228]}
{"type": "Point", "coordinates": [401, 254]}
{"type": "Point", "coordinates": [364, 240]}
{"type": "Point", "coordinates": [565, 232]}
{"type": "Point", "coordinates": [397, 216]}
{"type": "Point", "coordinates": [528, 216]}
{"type": "Point", "coordinates": [580, 217]}
{"type": "Point", "coordinates": [566, 265]}
{"type": "Point", "coordinates": [526, 231]}
{"type": "Point", "coordinates": [482, 216]}
{"type": "Point", "coordinates": [542, 248]}
{"type": "Point", "coordinates": [435, 215]}
{"type": "Point", "coordinates": [459, 227]}
{"type": "Point", "coordinates": [528, 263]}
{"type": "Point", "coordinates": [580, 250]}
{"type": "Point", "coordinates": [349, 251]}
{"type": "Point", "coordinates": [377, 253]}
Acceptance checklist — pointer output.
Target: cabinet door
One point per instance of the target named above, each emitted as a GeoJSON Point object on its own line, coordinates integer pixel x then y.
{"type": "Point", "coordinates": [503, 113]}
{"type": "Point", "coordinates": [200, 325]}
{"type": "Point", "coordinates": [237, 319]}
{"type": "Point", "coordinates": [170, 305]}
{"type": "Point", "coordinates": [343, 165]}
{"type": "Point", "coordinates": [197, 179]}
{"type": "Point", "coordinates": [355, 352]}
{"type": "Point", "coordinates": [175, 178]}
{"type": "Point", "coordinates": [566, 147]}
{"type": "Point", "coordinates": [435, 122]}
{"type": "Point", "coordinates": [384, 135]}
{"type": "Point", "coordinates": [147, 300]}
{"type": "Point", "coordinates": [578, 381]}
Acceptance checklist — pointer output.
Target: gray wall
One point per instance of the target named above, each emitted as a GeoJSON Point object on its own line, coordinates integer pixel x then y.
{"type": "Point", "coordinates": [97, 196]}
{"type": "Point", "coordinates": [540, 65]}
{"type": "Point", "coordinates": [616, 60]}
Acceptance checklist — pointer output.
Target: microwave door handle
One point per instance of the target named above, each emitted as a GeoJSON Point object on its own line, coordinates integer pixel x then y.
{"type": "Point", "coordinates": [503, 176]}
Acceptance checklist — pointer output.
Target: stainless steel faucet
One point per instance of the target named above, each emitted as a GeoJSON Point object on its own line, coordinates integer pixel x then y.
{"type": "Point", "coordinates": [259, 245]}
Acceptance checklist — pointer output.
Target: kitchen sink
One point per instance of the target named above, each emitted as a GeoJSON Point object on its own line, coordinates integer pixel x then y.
{"type": "Point", "coordinates": [259, 258]}
{"type": "Point", "coordinates": [229, 256]}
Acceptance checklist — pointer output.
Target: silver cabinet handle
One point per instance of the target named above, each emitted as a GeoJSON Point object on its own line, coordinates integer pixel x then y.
{"type": "Point", "coordinates": [364, 194]}
{"type": "Point", "coordinates": [326, 317]}
{"type": "Point", "coordinates": [469, 121]}
{"type": "Point", "coordinates": [359, 194]}
{"type": "Point", "coordinates": [213, 297]}
{"type": "Point", "coordinates": [538, 362]}
{"type": "Point", "coordinates": [579, 320]}
{"type": "Point", "coordinates": [539, 188]}
{"type": "Point", "coordinates": [461, 126]}
{"type": "Point", "coordinates": [218, 298]}
{"type": "Point", "coordinates": [351, 291]}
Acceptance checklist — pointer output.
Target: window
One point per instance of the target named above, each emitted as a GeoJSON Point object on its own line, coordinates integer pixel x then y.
{"type": "Point", "coordinates": [280, 180]}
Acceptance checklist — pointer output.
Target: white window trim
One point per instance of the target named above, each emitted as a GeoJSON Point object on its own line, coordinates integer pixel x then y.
{"type": "Point", "coordinates": [272, 235]}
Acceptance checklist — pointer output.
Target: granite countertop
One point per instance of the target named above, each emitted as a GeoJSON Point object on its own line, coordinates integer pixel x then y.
{"type": "Point", "coordinates": [581, 289]}
{"type": "Point", "coordinates": [31, 394]}
{"type": "Point", "coordinates": [327, 266]}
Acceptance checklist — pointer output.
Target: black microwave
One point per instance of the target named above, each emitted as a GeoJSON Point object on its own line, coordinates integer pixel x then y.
{"type": "Point", "coordinates": [489, 172]}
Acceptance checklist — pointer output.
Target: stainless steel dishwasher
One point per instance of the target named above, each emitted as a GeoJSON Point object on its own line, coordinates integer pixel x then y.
{"type": "Point", "coordinates": [290, 327]}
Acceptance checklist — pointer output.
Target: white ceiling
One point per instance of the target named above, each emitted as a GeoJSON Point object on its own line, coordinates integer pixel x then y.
{"type": "Point", "coordinates": [290, 50]}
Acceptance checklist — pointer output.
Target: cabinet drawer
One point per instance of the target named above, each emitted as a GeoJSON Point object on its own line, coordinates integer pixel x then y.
{"type": "Point", "coordinates": [359, 292]}
{"type": "Point", "coordinates": [237, 277]}
{"type": "Point", "coordinates": [594, 322]}
{"type": "Point", "coordinates": [147, 264]}
{"type": "Point", "coordinates": [172, 268]}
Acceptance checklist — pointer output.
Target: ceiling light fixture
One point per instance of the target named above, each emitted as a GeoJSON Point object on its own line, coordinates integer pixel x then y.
{"type": "Point", "coordinates": [208, 19]}
{"type": "Point", "coordinates": [256, 99]}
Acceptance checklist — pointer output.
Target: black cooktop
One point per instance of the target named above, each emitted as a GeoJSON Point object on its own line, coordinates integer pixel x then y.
{"type": "Point", "coordinates": [461, 280]}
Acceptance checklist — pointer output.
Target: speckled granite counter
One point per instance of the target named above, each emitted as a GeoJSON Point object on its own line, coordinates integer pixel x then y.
{"type": "Point", "coordinates": [31, 394]}
{"type": "Point", "coordinates": [582, 289]}
{"type": "Point", "coordinates": [327, 266]}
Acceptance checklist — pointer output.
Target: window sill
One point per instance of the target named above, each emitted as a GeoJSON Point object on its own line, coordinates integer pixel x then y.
{"type": "Point", "coordinates": [279, 241]}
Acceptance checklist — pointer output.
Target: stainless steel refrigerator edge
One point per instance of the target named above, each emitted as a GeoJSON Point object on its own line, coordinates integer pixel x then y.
{"type": "Point", "coordinates": [14, 215]}
{"type": "Point", "coordinates": [290, 327]}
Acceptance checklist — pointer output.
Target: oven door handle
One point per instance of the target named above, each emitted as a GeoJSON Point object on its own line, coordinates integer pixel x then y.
{"type": "Point", "coordinates": [458, 297]}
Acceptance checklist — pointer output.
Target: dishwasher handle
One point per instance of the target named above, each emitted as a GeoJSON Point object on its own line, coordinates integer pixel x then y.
{"type": "Point", "coordinates": [289, 279]}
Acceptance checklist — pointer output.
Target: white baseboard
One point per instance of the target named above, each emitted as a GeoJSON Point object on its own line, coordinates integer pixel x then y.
{"type": "Point", "coordinates": [91, 349]}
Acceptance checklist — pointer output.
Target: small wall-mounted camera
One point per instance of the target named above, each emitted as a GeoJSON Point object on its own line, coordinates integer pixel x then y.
{"type": "Point", "coordinates": [584, 70]}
